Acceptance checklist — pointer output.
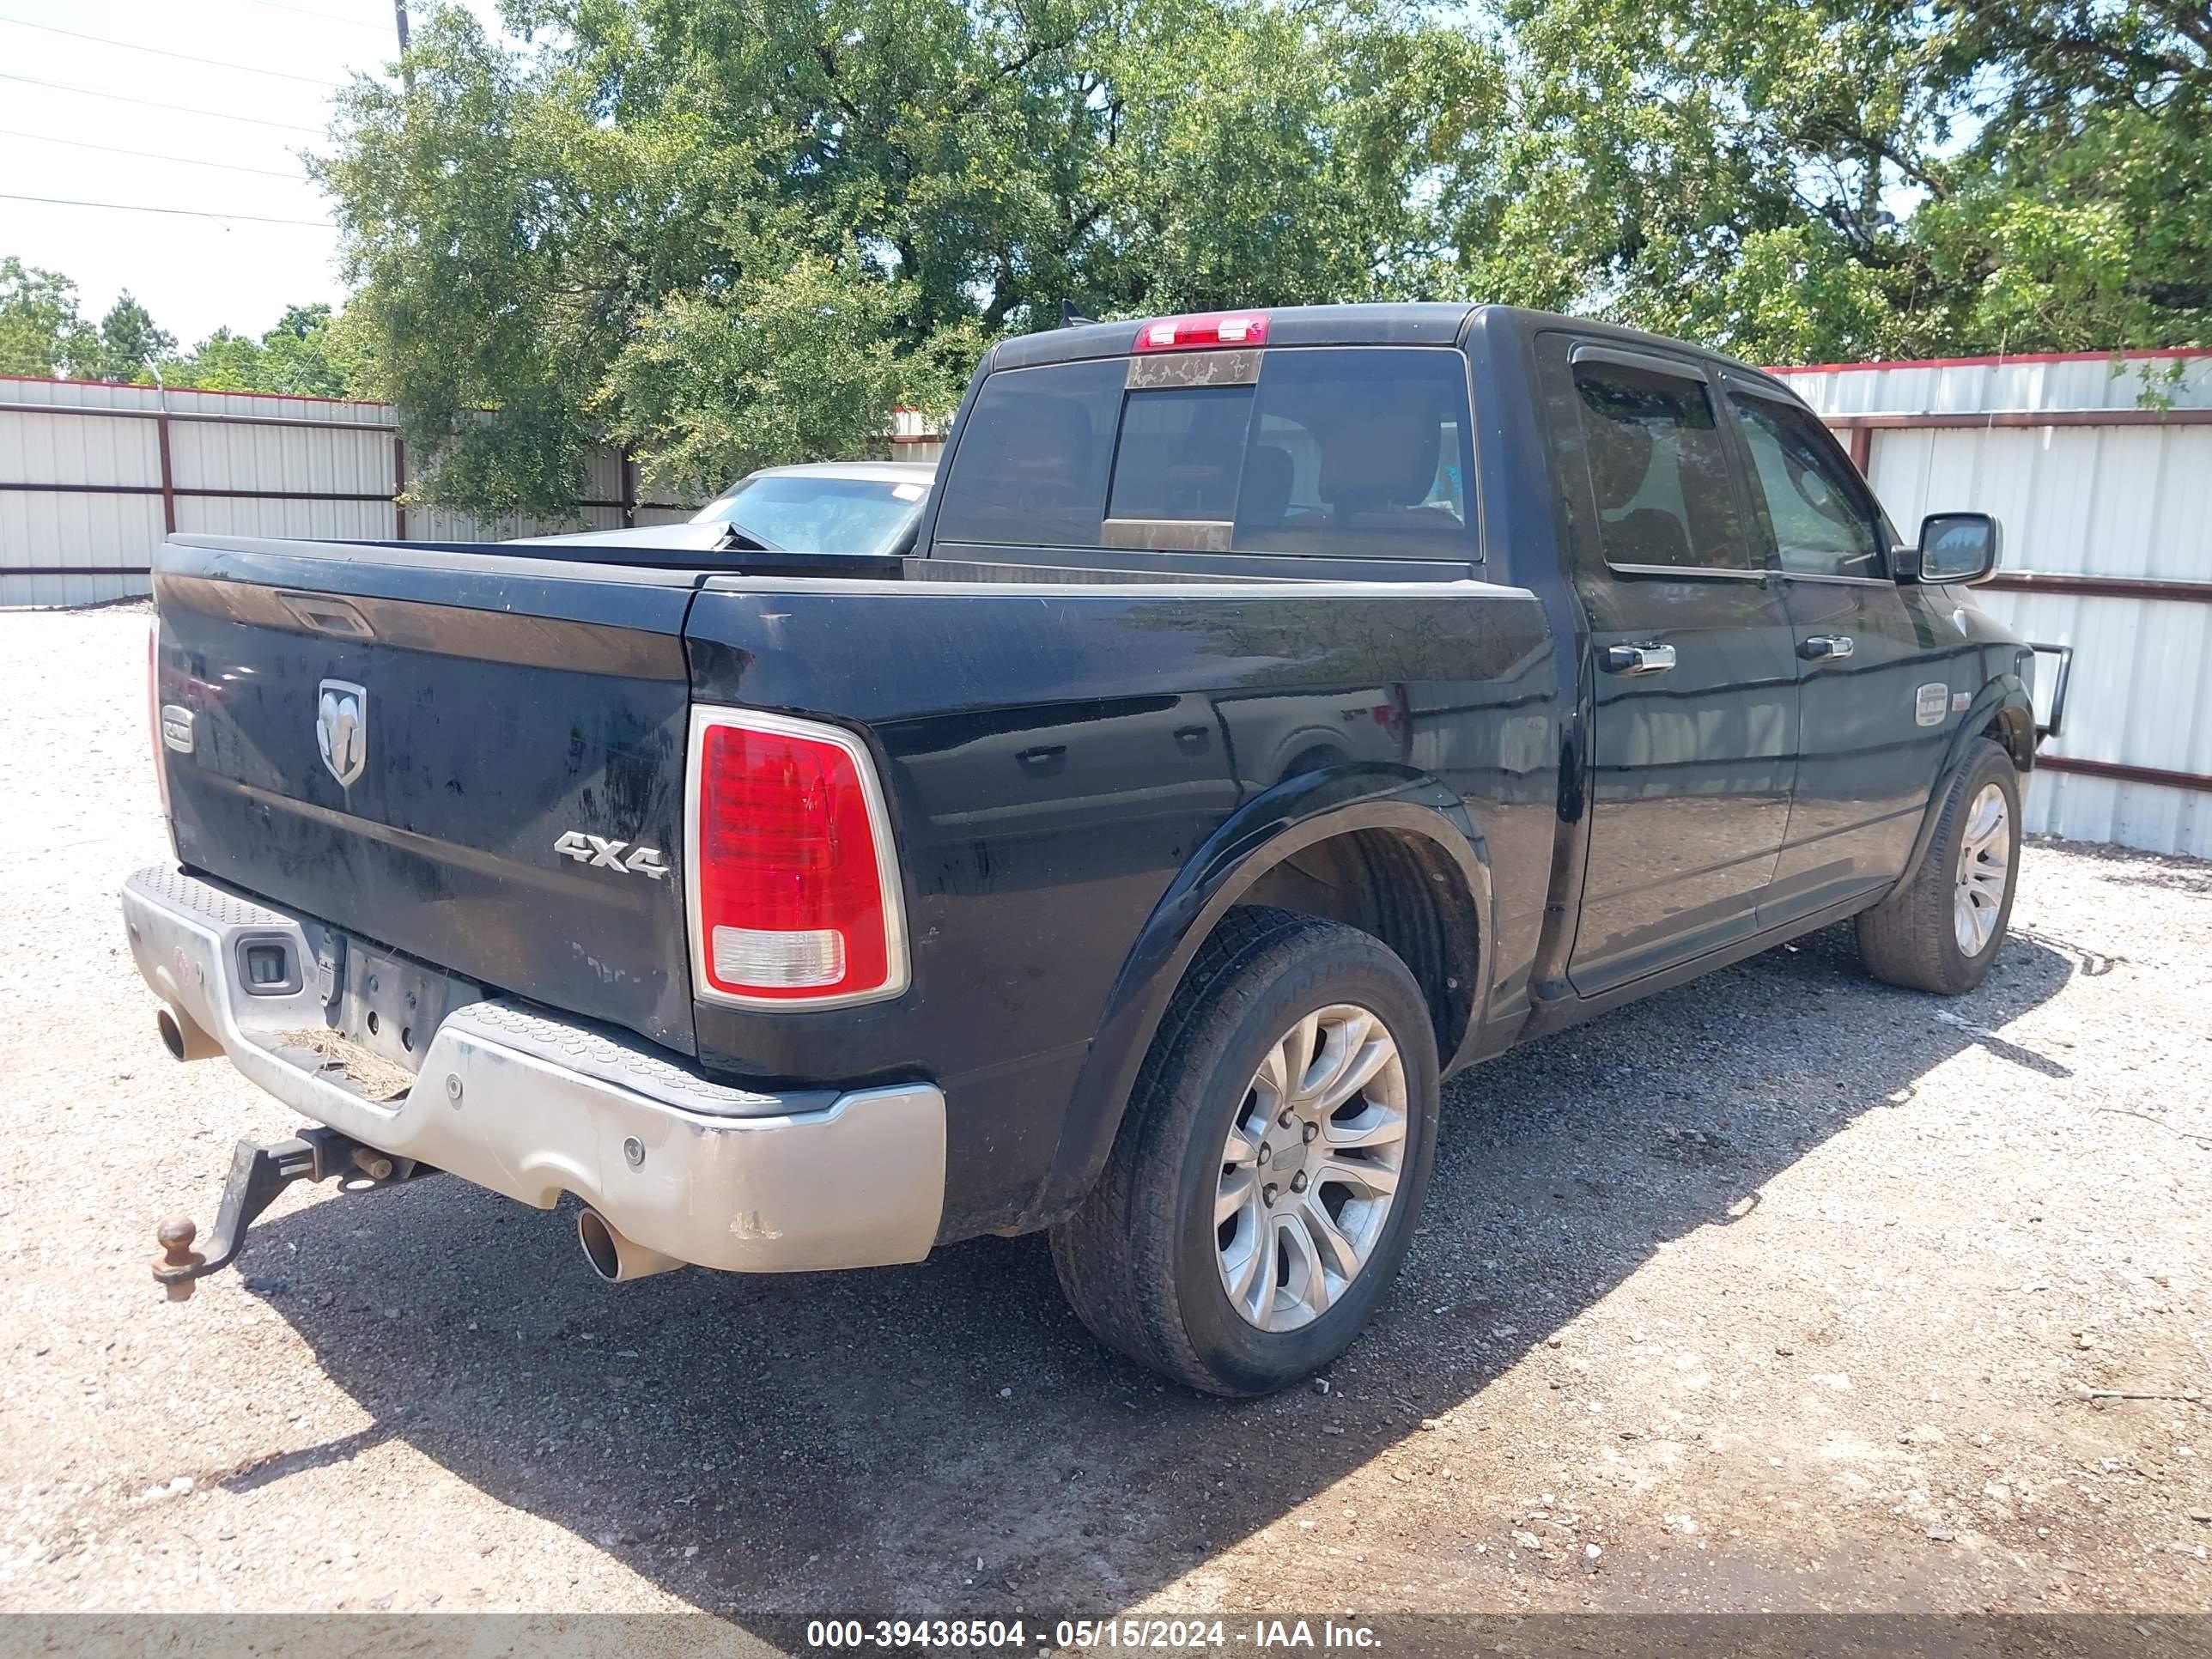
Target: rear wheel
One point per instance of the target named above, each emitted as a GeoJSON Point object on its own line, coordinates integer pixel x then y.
{"type": "Point", "coordinates": [1259, 1197]}
{"type": "Point", "coordinates": [1942, 929]}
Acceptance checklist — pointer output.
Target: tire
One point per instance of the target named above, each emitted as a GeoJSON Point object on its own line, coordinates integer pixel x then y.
{"type": "Point", "coordinates": [1143, 1261]}
{"type": "Point", "coordinates": [1914, 937]}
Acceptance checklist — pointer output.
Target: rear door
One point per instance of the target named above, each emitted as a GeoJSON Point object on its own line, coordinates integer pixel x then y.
{"type": "Point", "coordinates": [474, 759]}
{"type": "Point", "coordinates": [1694, 715]}
{"type": "Point", "coordinates": [1875, 676]}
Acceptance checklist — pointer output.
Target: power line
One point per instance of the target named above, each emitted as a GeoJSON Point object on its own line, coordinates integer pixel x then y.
{"type": "Point", "coordinates": [149, 103]}
{"type": "Point", "coordinates": [162, 51]}
{"type": "Point", "coordinates": [327, 16]}
{"type": "Point", "coordinates": [146, 154]}
{"type": "Point", "coordinates": [183, 213]}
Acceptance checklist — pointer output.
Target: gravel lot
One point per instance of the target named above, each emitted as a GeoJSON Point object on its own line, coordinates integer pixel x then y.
{"type": "Point", "coordinates": [1783, 1290]}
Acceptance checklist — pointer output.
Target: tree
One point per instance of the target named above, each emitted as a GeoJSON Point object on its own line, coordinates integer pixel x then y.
{"type": "Point", "coordinates": [41, 334]}
{"type": "Point", "coordinates": [1855, 177]}
{"type": "Point", "coordinates": [130, 343]}
{"type": "Point", "coordinates": [566, 234]}
{"type": "Point", "coordinates": [309, 353]}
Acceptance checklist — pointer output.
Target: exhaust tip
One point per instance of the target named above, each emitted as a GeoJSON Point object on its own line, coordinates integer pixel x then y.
{"type": "Point", "coordinates": [614, 1258]}
{"type": "Point", "coordinates": [600, 1247]}
{"type": "Point", "coordinates": [182, 1036]}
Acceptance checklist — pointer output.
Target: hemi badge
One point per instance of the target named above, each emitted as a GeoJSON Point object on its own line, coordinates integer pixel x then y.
{"type": "Point", "coordinates": [177, 727]}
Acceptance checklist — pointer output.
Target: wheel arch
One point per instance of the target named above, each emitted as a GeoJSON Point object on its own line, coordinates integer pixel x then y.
{"type": "Point", "coordinates": [2001, 711]}
{"type": "Point", "coordinates": [1374, 829]}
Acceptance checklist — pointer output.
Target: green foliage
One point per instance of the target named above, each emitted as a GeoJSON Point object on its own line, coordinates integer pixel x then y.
{"type": "Point", "coordinates": [310, 353]}
{"type": "Point", "coordinates": [730, 229]}
{"type": "Point", "coordinates": [772, 369]}
{"type": "Point", "coordinates": [130, 343]}
{"type": "Point", "coordinates": [1857, 178]}
{"type": "Point", "coordinates": [726, 232]}
{"type": "Point", "coordinates": [41, 334]}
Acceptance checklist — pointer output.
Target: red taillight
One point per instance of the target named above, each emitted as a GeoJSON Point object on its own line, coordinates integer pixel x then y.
{"type": "Point", "coordinates": [794, 894]}
{"type": "Point", "coordinates": [1209, 328]}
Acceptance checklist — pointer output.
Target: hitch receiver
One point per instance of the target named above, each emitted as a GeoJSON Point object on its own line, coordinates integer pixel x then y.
{"type": "Point", "coordinates": [257, 1175]}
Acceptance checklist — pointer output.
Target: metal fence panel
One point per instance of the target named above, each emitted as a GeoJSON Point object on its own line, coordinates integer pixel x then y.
{"type": "Point", "coordinates": [92, 476]}
{"type": "Point", "coordinates": [2126, 494]}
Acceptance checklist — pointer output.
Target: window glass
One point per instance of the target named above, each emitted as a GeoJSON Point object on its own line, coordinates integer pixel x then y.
{"type": "Point", "coordinates": [1658, 469]}
{"type": "Point", "coordinates": [1357, 453]}
{"type": "Point", "coordinates": [1032, 462]}
{"type": "Point", "coordinates": [806, 513]}
{"type": "Point", "coordinates": [1181, 454]}
{"type": "Point", "coordinates": [1819, 526]}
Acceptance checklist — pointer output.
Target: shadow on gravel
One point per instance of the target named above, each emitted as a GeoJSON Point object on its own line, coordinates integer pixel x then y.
{"type": "Point", "coordinates": [856, 1443]}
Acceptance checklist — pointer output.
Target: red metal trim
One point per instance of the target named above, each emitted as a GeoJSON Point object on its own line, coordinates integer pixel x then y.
{"type": "Point", "coordinates": [2101, 587]}
{"type": "Point", "coordinates": [1896, 421]}
{"type": "Point", "coordinates": [2119, 772]}
{"type": "Point", "coordinates": [1993, 363]}
{"type": "Point", "coordinates": [1862, 447]}
{"type": "Point", "coordinates": [168, 475]}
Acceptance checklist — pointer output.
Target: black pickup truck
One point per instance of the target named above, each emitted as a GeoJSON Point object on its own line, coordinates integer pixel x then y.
{"type": "Point", "coordinates": [1280, 711]}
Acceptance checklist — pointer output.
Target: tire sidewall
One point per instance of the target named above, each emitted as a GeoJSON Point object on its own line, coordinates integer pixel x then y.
{"type": "Point", "coordinates": [1247, 1359]}
{"type": "Point", "coordinates": [1993, 766]}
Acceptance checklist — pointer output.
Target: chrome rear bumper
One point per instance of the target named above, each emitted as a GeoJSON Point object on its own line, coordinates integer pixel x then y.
{"type": "Point", "coordinates": [530, 1105]}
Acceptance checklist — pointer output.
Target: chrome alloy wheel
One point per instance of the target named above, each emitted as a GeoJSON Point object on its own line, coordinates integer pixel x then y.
{"type": "Point", "coordinates": [1310, 1168]}
{"type": "Point", "coordinates": [1984, 860]}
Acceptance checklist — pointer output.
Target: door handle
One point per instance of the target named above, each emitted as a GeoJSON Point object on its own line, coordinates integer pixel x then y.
{"type": "Point", "coordinates": [1638, 658]}
{"type": "Point", "coordinates": [1044, 760]}
{"type": "Point", "coordinates": [1825, 647]}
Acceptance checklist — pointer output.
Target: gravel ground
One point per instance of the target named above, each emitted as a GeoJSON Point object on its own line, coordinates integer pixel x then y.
{"type": "Point", "coordinates": [1782, 1290]}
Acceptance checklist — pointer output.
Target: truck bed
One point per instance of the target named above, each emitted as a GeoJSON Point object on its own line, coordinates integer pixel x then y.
{"type": "Point", "coordinates": [1055, 743]}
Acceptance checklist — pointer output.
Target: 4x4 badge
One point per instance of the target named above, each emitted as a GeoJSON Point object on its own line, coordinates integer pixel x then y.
{"type": "Point", "coordinates": [606, 854]}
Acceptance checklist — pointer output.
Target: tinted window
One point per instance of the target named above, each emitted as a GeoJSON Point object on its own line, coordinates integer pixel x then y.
{"type": "Point", "coordinates": [1033, 458]}
{"type": "Point", "coordinates": [1357, 453]}
{"type": "Point", "coordinates": [1181, 453]}
{"type": "Point", "coordinates": [1820, 528]}
{"type": "Point", "coordinates": [1658, 469]}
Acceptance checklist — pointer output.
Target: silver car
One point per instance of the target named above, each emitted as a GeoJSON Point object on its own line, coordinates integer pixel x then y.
{"type": "Point", "coordinates": [826, 506]}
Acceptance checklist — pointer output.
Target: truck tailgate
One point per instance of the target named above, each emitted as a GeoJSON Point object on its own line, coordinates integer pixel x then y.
{"type": "Point", "coordinates": [477, 761]}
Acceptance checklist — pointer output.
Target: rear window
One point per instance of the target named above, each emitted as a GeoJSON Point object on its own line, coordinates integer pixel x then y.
{"type": "Point", "coordinates": [1033, 457]}
{"type": "Point", "coordinates": [1359, 452]}
{"type": "Point", "coordinates": [1342, 452]}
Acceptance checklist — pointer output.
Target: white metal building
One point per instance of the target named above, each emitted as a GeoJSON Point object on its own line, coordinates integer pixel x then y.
{"type": "Point", "coordinates": [2099, 468]}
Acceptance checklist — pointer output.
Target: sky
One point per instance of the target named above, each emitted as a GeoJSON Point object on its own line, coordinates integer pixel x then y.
{"type": "Point", "coordinates": [263, 90]}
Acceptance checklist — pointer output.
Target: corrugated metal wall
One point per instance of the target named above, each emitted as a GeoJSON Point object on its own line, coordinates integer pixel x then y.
{"type": "Point", "coordinates": [92, 476]}
{"type": "Point", "coordinates": [2100, 470]}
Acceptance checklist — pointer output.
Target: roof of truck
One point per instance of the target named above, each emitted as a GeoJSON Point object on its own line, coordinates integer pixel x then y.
{"type": "Point", "coordinates": [1413, 323]}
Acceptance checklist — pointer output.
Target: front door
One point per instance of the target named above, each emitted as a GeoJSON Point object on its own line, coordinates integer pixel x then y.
{"type": "Point", "coordinates": [1694, 711]}
{"type": "Point", "coordinates": [1877, 674]}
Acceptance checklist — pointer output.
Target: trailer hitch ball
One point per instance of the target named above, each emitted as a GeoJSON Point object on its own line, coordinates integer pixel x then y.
{"type": "Point", "coordinates": [179, 1269]}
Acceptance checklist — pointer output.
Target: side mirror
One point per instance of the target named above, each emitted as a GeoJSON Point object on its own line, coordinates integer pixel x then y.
{"type": "Point", "coordinates": [1960, 548]}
